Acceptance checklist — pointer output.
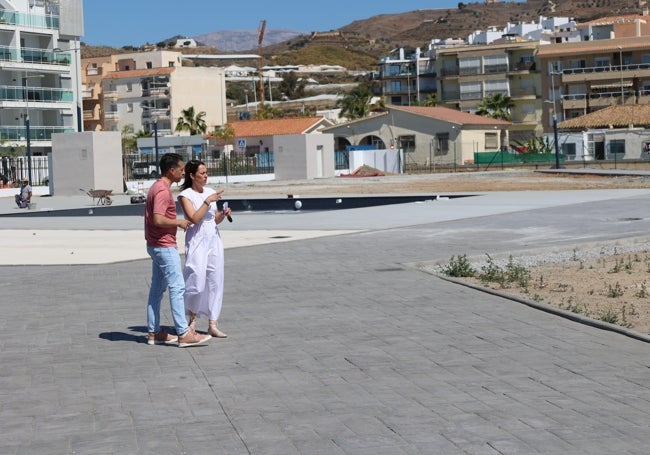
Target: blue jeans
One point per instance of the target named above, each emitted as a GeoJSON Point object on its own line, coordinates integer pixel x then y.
{"type": "Point", "coordinates": [166, 273]}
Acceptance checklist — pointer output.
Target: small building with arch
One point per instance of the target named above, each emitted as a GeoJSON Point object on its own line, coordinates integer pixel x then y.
{"type": "Point", "coordinates": [425, 134]}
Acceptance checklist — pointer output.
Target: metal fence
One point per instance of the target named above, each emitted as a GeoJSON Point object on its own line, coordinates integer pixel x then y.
{"type": "Point", "coordinates": [14, 169]}
{"type": "Point", "coordinates": [236, 164]}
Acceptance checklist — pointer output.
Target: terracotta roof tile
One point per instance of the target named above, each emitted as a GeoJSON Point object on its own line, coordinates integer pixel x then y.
{"type": "Point", "coordinates": [451, 115]}
{"type": "Point", "coordinates": [637, 115]}
{"type": "Point", "coordinates": [276, 127]}
{"type": "Point", "coordinates": [140, 73]}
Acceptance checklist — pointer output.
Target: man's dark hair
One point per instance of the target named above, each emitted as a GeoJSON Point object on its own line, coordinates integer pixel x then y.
{"type": "Point", "coordinates": [169, 161]}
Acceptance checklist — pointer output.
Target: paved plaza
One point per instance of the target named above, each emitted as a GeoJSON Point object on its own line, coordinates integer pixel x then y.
{"type": "Point", "coordinates": [339, 341]}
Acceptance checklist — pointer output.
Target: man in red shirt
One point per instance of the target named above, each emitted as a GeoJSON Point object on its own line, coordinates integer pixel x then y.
{"type": "Point", "coordinates": [160, 225]}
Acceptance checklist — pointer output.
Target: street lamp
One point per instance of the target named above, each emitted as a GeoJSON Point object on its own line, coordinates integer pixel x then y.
{"type": "Point", "coordinates": [620, 62]}
{"type": "Point", "coordinates": [557, 152]}
{"type": "Point", "coordinates": [27, 132]}
{"type": "Point", "coordinates": [77, 63]}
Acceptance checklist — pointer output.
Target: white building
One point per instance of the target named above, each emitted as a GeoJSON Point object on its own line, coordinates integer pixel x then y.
{"type": "Point", "coordinates": [39, 72]}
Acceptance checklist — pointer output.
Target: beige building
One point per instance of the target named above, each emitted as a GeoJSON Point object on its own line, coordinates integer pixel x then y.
{"type": "Point", "coordinates": [148, 90]}
{"type": "Point", "coordinates": [580, 78]}
{"type": "Point", "coordinates": [468, 74]}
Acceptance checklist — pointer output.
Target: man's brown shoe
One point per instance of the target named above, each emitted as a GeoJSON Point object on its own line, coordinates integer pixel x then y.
{"type": "Point", "coordinates": [191, 338]}
{"type": "Point", "coordinates": [161, 337]}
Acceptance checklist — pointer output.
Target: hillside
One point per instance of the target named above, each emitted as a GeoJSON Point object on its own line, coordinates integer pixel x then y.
{"type": "Point", "coordinates": [361, 43]}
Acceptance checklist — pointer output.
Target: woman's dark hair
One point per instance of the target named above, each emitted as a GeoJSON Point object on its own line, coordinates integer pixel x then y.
{"type": "Point", "coordinates": [169, 161]}
{"type": "Point", "coordinates": [191, 167]}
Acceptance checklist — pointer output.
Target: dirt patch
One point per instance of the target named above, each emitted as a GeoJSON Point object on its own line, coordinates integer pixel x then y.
{"type": "Point", "coordinates": [612, 288]}
{"type": "Point", "coordinates": [434, 184]}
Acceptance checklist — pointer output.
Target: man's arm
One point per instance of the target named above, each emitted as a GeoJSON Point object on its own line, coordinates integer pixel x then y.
{"type": "Point", "coordinates": [162, 221]}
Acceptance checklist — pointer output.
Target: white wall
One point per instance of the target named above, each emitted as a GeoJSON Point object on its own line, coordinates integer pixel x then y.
{"type": "Point", "coordinates": [304, 156]}
{"type": "Point", "coordinates": [384, 160]}
{"type": "Point", "coordinates": [88, 160]}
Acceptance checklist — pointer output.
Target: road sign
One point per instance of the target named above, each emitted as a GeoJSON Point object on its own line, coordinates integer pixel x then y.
{"type": "Point", "coordinates": [241, 143]}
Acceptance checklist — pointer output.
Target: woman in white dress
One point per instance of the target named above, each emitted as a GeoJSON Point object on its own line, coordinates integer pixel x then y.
{"type": "Point", "coordinates": [204, 264]}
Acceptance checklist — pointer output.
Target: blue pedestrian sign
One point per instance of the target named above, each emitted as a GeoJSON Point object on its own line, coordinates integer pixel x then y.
{"type": "Point", "coordinates": [241, 143]}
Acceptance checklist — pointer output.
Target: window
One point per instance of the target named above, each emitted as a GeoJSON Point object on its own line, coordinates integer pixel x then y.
{"type": "Point", "coordinates": [129, 87]}
{"type": "Point", "coordinates": [406, 143]}
{"type": "Point", "coordinates": [601, 61]}
{"type": "Point", "coordinates": [149, 65]}
{"type": "Point", "coordinates": [492, 87]}
{"type": "Point", "coordinates": [441, 144]}
{"type": "Point", "coordinates": [554, 67]}
{"type": "Point", "coordinates": [171, 64]}
{"type": "Point", "coordinates": [617, 146]}
{"type": "Point", "coordinates": [129, 107]}
{"type": "Point", "coordinates": [569, 150]}
{"type": "Point", "coordinates": [470, 90]}
{"type": "Point", "coordinates": [470, 65]}
{"type": "Point", "coordinates": [491, 141]}
{"type": "Point", "coordinates": [495, 63]}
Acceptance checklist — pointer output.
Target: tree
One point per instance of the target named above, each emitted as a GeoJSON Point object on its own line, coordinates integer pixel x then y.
{"type": "Point", "coordinates": [266, 111]}
{"type": "Point", "coordinates": [129, 141]}
{"type": "Point", "coordinates": [430, 101]}
{"type": "Point", "coordinates": [356, 103]}
{"type": "Point", "coordinates": [225, 132]}
{"type": "Point", "coordinates": [291, 87]}
{"type": "Point", "coordinates": [191, 122]}
{"type": "Point", "coordinates": [496, 106]}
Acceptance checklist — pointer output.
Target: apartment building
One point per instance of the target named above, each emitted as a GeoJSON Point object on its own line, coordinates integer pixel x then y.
{"type": "Point", "coordinates": [468, 74]}
{"type": "Point", "coordinates": [39, 72]}
{"type": "Point", "coordinates": [407, 79]}
{"type": "Point", "coordinates": [149, 90]}
{"type": "Point", "coordinates": [580, 78]}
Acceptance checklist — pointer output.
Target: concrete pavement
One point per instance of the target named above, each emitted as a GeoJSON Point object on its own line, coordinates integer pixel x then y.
{"type": "Point", "coordinates": [339, 343]}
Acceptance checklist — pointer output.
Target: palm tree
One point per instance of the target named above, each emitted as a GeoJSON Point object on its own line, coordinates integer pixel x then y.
{"type": "Point", "coordinates": [496, 106]}
{"type": "Point", "coordinates": [356, 103]}
{"type": "Point", "coordinates": [191, 122]}
{"type": "Point", "coordinates": [430, 101]}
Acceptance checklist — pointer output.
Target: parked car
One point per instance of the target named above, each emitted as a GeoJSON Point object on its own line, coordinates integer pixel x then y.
{"type": "Point", "coordinates": [144, 170]}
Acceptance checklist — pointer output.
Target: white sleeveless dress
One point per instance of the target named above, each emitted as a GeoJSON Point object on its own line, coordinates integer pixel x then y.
{"type": "Point", "coordinates": [204, 260]}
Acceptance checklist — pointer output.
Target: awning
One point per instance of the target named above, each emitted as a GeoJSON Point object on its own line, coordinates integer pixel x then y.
{"type": "Point", "coordinates": [613, 85]}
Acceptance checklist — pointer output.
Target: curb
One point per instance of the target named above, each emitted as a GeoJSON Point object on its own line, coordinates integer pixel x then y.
{"type": "Point", "coordinates": [549, 309]}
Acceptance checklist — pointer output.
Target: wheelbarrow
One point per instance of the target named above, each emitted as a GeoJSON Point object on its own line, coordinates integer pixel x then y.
{"type": "Point", "coordinates": [103, 197]}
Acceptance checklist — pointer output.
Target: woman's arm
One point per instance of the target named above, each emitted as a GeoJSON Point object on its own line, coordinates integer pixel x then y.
{"type": "Point", "coordinates": [196, 215]}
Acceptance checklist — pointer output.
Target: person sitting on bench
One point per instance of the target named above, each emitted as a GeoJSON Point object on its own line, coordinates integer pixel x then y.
{"type": "Point", "coordinates": [25, 197]}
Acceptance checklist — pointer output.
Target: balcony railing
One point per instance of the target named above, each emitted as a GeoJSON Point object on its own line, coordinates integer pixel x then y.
{"type": "Point", "coordinates": [30, 55]}
{"type": "Point", "coordinates": [471, 71]}
{"type": "Point", "coordinates": [606, 69]}
{"type": "Point", "coordinates": [36, 95]}
{"type": "Point", "coordinates": [93, 71]}
{"type": "Point", "coordinates": [29, 20]}
{"type": "Point", "coordinates": [491, 69]}
{"type": "Point", "coordinates": [471, 95]}
{"type": "Point", "coordinates": [36, 133]}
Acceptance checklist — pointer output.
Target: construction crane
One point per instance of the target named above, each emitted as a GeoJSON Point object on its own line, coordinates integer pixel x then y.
{"type": "Point", "coordinates": [260, 37]}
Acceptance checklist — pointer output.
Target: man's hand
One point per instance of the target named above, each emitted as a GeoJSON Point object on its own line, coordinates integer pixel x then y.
{"type": "Point", "coordinates": [184, 224]}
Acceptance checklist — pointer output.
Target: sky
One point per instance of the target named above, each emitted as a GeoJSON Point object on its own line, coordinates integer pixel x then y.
{"type": "Point", "coordinates": [120, 23]}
